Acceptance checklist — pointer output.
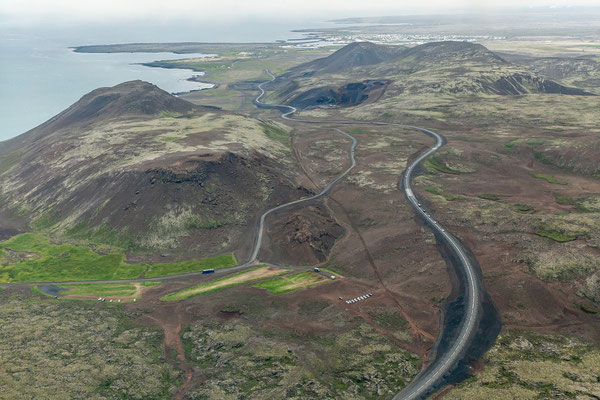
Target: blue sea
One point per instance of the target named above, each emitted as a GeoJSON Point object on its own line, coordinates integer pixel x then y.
{"type": "Point", "coordinates": [40, 75]}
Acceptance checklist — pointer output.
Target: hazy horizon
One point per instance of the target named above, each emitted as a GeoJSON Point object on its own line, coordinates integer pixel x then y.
{"type": "Point", "coordinates": [71, 12]}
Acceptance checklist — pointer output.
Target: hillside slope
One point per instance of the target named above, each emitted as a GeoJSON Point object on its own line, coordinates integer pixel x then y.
{"type": "Point", "coordinates": [353, 55]}
{"type": "Point", "coordinates": [138, 168]}
{"type": "Point", "coordinates": [449, 67]}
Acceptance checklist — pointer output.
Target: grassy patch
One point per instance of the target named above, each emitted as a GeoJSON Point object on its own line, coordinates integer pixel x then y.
{"type": "Point", "coordinates": [511, 143]}
{"type": "Point", "coordinates": [222, 283]}
{"type": "Point", "coordinates": [151, 283]}
{"type": "Point", "coordinates": [489, 196]}
{"type": "Point", "coordinates": [433, 164]}
{"type": "Point", "coordinates": [38, 260]}
{"type": "Point", "coordinates": [549, 178]}
{"type": "Point", "coordinates": [101, 289]}
{"type": "Point", "coordinates": [434, 191]}
{"type": "Point", "coordinates": [587, 309]}
{"type": "Point", "coordinates": [556, 235]}
{"type": "Point", "coordinates": [170, 114]}
{"type": "Point", "coordinates": [37, 290]}
{"type": "Point", "coordinates": [448, 196]}
{"type": "Point", "coordinates": [523, 207]}
{"type": "Point", "coordinates": [535, 143]}
{"type": "Point", "coordinates": [277, 134]}
{"type": "Point", "coordinates": [292, 282]}
{"type": "Point", "coordinates": [564, 199]}
{"type": "Point", "coordinates": [164, 269]}
{"type": "Point", "coordinates": [229, 309]}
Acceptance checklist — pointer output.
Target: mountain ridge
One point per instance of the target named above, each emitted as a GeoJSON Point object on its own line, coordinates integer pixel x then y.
{"type": "Point", "coordinates": [138, 168]}
{"type": "Point", "coordinates": [448, 67]}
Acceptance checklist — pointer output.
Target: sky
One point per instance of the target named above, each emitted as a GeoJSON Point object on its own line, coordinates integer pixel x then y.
{"type": "Point", "coordinates": [73, 11]}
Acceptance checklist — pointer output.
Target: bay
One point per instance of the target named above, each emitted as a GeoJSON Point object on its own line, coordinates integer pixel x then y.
{"type": "Point", "coordinates": [40, 75]}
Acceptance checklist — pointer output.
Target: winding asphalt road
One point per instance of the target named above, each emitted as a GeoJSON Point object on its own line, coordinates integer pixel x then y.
{"type": "Point", "coordinates": [427, 380]}
{"type": "Point", "coordinates": [443, 363]}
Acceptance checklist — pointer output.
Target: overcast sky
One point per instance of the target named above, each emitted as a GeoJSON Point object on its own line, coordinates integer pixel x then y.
{"type": "Point", "coordinates": [17, 11]}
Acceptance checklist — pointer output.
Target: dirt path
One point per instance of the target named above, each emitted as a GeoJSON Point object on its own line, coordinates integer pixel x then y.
{"type": "Point", "coordinates": [172, 322]}
{"type": "Point", "coordinates": [137, 295]}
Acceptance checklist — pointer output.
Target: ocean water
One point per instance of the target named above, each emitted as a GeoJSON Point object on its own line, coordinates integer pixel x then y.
{"type": "Point", "coordinates": [40, 75]}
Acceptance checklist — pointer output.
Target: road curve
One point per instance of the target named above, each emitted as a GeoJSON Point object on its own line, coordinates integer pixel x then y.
{"type": "Point", "coordinates": [429, 377]}
{"type": "Point", "coordinates": [261, 226]}
{"type": "Point", "coordinates": [427, 380]}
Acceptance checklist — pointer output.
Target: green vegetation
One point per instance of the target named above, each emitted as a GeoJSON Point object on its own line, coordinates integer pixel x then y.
{"type": "Point", "coordinates": [526, 365]}
{"type": "Point", "coordinates": [510, 143]}
{"type": "Point", "coordinates": [101, 234]}
{"type": "Point", "coordinates": [37, 290]}
{"type": "Point", "coordinates": [151, 283]}
{"type": "Point", "coordinates": [170, 114]}
{"type": "Point", "coordinates": [292, 282]}
{"type": "Point", "coordinates": [164, 269]}
{"type": "Point", "coordinates": [523, 207]}
{"type": "Point", "coordinates": [353, 362]}
{"type": "Point", "coordinates": [588, 205]}
{"type": "Point", "coordinates": [277, 134]}
{"type": "Point", "coordinates": [434, 191]}
{"type": "Point", "coordinates": [549, 179]}
{"type": "Point", "coordinates": [331, 271]}
{"type": "Point", "coordinates": [556, 235]}
{"type": "Point", "coordinates": [489, 196]}
{"type": "Point", "coordinates": [196, 221]}
{"type": "Point", "coordinates": [222, 283]}
{"type": "Point", "coordinates": [535, 143]}
{"type": "Point", "coordinates": [229, 309]}
{"type": "Point", "coordinates": [8, 160]}
{"type": "Point", "coordinates": [394, 323]}
{"type": "Point", "coordinates": [433, 164]}
{"type": "Point", "coordinates": [77, 350]}
{"type": "Point", "coordinates": [587, 309]}
{"type": "Point", "coordinates": [567, 264]}
{"type": "Point", "coordinates": [564, 199]}
{"type": "Point", "coordinates": [101, 289]}
{"type": "Point", "coordinates": [32, 258]}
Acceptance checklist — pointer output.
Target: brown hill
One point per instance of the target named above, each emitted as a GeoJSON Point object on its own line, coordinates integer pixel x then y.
{"type": "Point", "coordinates": [447, 67]}
{"type": "Point", "coordinates": [136, 167]}
{"type": "Point", "coordinates": [353, 55]}
{"type": "Point", "coordinates": [128, 99]}
{"type": "Point", "coordinates": [463, 67]}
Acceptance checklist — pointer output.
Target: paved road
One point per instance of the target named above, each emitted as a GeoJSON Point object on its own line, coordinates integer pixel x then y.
{"type": "Point", "coordinates": [325, 191]}
{"type": "Point", "coordinates": [443, 363]}
{"type": "Point", "coordinates": [253, 260]}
